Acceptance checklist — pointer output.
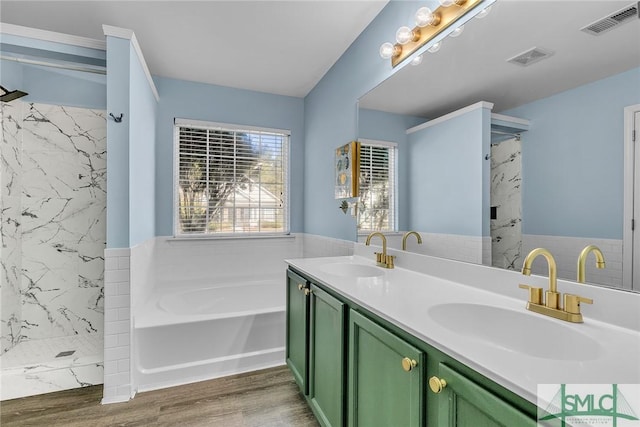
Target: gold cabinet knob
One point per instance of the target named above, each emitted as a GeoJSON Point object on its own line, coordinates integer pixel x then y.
{"type": "Point", "coordinates": [300, 286]}
{"type": "Point", "coordinates": [307, 292]}
{"type": "Point", "coordinates": [437, 384]}
{"type": "Point", "coordinates": [408, 364]}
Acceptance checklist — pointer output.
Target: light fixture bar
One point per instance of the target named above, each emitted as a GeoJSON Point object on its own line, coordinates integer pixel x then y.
{"type": "Point", "coordinates": [448, 15]}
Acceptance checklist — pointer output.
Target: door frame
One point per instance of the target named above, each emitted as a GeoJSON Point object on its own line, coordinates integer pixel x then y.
{"type": "Point", "coordinates": [627, 233]}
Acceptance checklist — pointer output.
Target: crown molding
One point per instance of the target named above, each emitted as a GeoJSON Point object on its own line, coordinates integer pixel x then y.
{"type": "Point", "coordinates": [51, 36]}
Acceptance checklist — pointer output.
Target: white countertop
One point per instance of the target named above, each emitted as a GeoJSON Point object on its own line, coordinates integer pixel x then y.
{"type": "Point", "coordinates": [407, 299]}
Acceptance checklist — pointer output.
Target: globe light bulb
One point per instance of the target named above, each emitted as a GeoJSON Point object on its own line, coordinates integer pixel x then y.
{"type": "Point", "coordinates": [457, 31]}
{"type": "Point", "coordinates": [386, 50]}
{"type": "Point", "coordinates": [404, 35]}
{"type": "Point", "coordinates": [417, 60]}
{"type": "Point", "coordinates": [484, 12]}
{"type": "Point", "coordinates": [446, 3]}
{"type": "Point", "coordinates": [424, 17]}
{"type": "Point", "coordinates": [436, 47]}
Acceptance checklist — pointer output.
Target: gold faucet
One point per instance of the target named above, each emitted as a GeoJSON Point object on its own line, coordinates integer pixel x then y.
{"type": "Point", "coordinates": [382, 259]}
{"type": "Point", "coordinates": [582, 261]}
{"type": "Point", "coordinates": [407, 234]}
{"type": "Point", "coordinates": [550, 305]}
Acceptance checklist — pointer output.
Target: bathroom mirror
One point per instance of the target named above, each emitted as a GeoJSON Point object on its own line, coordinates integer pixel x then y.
{"type": "Point", "coordinates": [572, 92]}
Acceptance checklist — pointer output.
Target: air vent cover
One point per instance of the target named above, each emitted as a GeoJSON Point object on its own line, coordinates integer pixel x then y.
{"type": "Point", "coordinates": [612, 21]}
{"type": "Point", "coordinates": [530, 56]}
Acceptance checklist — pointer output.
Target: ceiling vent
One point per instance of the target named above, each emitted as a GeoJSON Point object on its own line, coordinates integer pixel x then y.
{"type": "Point", "coordinates": [530, 56]}
{"type": "Point", "coordinates": [612, 21]}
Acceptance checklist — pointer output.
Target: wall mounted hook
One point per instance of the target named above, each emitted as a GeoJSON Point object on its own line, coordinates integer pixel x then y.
{"type": "Point", "coordinates": [117, 119]}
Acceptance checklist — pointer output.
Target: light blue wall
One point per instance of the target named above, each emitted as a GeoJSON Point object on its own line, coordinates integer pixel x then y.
{"type": "Point", "coordinates": [382, 126]}
{"type": "Point", "coordinates": [572, 159]}
{"type": "Point", "coordinates": [199, 101]}
{"type": "Point", "coordinates": [447, 175]}
{"type": "Point", "coordinates": [131, 185]}
{"type": "Point", "coordinates": [331, 114]}
{"type": "Point", "coordinates": [142, 140]}
{"type": "Point", "coordinates": [50, 85]}
{"type": "Point", "coordinates": [118, 66]}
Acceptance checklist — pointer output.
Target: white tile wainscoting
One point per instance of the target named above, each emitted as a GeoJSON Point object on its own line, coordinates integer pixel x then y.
{"type": "Point", "coordinates": [117, 326]}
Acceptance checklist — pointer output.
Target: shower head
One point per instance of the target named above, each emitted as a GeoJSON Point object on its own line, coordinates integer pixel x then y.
{"type": "Point", "coordinates": [10, 96]}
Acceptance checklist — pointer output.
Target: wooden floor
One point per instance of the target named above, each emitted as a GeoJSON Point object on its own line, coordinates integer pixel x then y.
{"type": "Point", "coordinates": [267, 398]}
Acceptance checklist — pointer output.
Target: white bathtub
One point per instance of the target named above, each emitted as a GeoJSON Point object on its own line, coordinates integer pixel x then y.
{"type": "Point", "coordinates": [197, 332]}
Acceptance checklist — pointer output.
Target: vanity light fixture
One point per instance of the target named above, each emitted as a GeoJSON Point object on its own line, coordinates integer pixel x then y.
{"type": "Point", "coordinates": [435, 47]}
{"type": "Point", "coordinates": [484, 12]}
{"type": "Point", "coordinates": [387, 50]}
{"type": "Point", "coordinates": [457, 31]}
{"type": "Point", "coordinates": [428, 25]}
{"type": "Point", "coordinates": [425, 17]}
{"type": "Point", "coordinates": [405, 35]}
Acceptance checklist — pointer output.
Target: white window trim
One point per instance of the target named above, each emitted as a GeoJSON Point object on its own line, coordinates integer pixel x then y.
{"type": "Point", "coordinates": [177, 123]}
{"type": "Point", "coordinates": [390, 144]}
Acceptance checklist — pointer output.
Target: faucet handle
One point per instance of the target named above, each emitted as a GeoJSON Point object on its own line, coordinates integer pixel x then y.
{"type": "Point", "coordinates": [535, 294]}
{"type": "Point", "coordinates": [572, 303]}
{"type": "Point", "coordinates": [378, 257]}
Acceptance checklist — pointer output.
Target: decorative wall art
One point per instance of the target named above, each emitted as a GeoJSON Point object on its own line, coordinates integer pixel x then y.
{"type": "Point", "coordinates": [347, 170]}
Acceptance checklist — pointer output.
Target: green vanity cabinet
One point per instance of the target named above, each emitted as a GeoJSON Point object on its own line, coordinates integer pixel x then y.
{"type": "Point", "coordinates": [386, 377]}
{"type": "Point", "coordinates": [327, 357]}
{"type": "Point", "coordinates": [357, 369]}
{"type": "Point", "coordinates": [297, 341]}
{"type": "Point", "coordinates": [464, 403]}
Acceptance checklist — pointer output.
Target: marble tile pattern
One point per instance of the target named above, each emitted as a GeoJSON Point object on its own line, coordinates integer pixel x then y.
{"type": "Point", "coordinates": [10, 219]}
{"type": "Point", "coordinates": [61, 200]}
{"type": "Point", "coordinates": [506, 229]}
{"type": "Point", "coordinates": [63, 220]}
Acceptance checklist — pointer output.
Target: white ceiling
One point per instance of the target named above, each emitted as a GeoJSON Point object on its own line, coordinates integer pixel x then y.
{"type": "Point", "coordinates": [473, 67]}
{"type": "Point", "coordinates": [280, 47]}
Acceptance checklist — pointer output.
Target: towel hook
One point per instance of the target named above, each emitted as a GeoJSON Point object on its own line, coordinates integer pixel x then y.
{"type": "Point", "coordinates": [117, 119]}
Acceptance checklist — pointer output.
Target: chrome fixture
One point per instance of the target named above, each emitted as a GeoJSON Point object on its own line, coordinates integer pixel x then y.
{"type": "Point", "coordinates": [407, 234]}
{"type": "Point", "coordinates": [382, 259]}
{"type": "Point", "coordinates": [550, 305]}
{"type": "Point", "coordinates": [582, 261]}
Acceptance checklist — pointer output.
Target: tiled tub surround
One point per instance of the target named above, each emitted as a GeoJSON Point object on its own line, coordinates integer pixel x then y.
{"type": "Point", "coordinates": [54, 206]}
{"type": "Point", "coordinates": [408, 295]}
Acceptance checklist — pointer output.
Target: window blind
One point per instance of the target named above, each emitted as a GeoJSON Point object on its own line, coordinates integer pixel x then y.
{"type": "Point", "coordinates": [377, 205]}
{"type": "Point", "coordinates": [230, 180]}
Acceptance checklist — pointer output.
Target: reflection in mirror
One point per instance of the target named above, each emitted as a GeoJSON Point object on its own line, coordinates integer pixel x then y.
{"type": "Point", "coordinates": [513, 136]}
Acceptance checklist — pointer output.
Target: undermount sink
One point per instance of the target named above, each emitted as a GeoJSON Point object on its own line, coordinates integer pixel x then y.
{"type": "Point", "coordinates": [519, 332]}
{"type": "Point", "coordinates": [345, 269]}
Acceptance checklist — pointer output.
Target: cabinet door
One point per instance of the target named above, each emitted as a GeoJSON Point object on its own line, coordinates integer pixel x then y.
{"type": "Point", "coordinates": [463, 403]}
{"type": "Point", "coordinates": [381, 392]}
{"type": "Point", "coordinates": [297, 321]}
{"type": "Point", "coordinates": [327, 357]}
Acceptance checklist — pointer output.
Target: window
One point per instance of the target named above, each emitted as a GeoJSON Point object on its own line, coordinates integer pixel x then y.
{"type": "Point", "coordinates": [230, 180]}
{"type": "Point", "coordinates": [377, 205]}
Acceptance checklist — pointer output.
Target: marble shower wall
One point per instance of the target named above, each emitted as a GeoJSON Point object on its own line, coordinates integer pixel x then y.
{"type": "Point", "coordinates": [62, 231]}
{"type": "Point", "coordinates": [10, 218]}
{"type": "Point", "coordinates": [506, 196]}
